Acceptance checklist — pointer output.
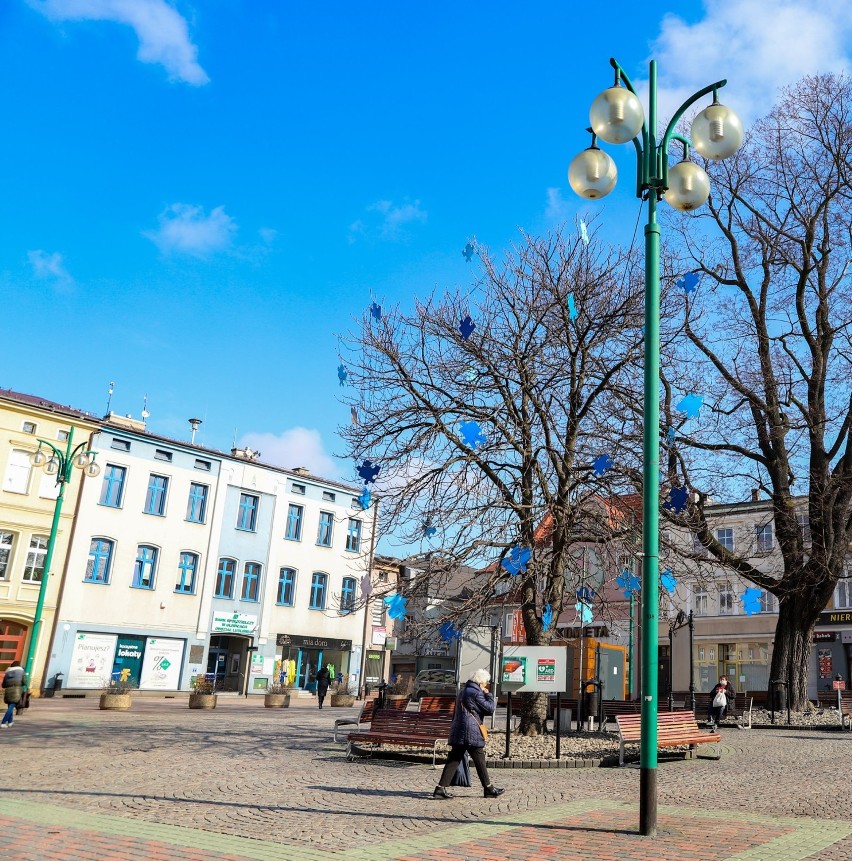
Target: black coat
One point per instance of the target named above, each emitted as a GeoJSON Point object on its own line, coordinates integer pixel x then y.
{"type": "Point", "coordinates": [323, 680]}
{"type": "Point", "coordinates": [472, 705]}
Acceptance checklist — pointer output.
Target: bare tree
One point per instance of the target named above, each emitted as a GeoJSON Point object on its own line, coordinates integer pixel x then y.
{"type": "Point", "coordinates": [542, 385]}
{"type": "Point", "coordinates": [766, 339]}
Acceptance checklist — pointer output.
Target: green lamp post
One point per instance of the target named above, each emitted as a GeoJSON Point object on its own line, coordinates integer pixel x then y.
{"type": "Point", "coordinates": [617, 116]}
{"type": "Point", "coordinates": [61, 464]}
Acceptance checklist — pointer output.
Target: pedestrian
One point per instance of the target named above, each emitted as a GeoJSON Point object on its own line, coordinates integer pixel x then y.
{"type": "Point", "coordinates": [721, 697]}
{"type": "Point", "coordinates": [13, 691]}
{"type": "Point", "coordinates": [467, 733]}
{"type": "Point", "coordinates": [323, 681]}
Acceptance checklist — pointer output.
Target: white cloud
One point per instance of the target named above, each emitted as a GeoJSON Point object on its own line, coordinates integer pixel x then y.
{"type": "Point", "coordinates": [50, 267]}
{"type": "Point", "coordinates": [162, 32]}
{"type": "Point", "coordinates": [557, 209]}
{"type": "Point", "coordinates": [293, 448]}
{"type": "Point", "coordinates": [387, 220]}
{"type": "Point", "coordinates": [758, 46]}
{"type": "Point", "coordinates": [186, 229]}
{"type": "Point", "coordinates": [268, 235]}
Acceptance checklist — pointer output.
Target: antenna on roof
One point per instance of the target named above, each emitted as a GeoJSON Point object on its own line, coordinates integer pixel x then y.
{"type": "Point", "coordinates": [145, 412]}
{"type": "Point", "coordinates": [194, 424]}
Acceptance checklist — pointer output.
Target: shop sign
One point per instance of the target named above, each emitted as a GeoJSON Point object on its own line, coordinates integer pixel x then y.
{"type": "Point", "coordinates": [91, 660]}
{"type": "Point", "coordinates": [233, 623]}
{"type": "Point", "coordinates": [379, 636]}
{"type": "Point", "coordinates": [162, 664]}
{"type": "Point", "coordinates": [128, 658]}
{"type": "Point", "coordinates": [835, 617]}
{"type": "Point", "coordinates": [825, 636]}
{"type": "Point", "coordinates": [256, 665]}
{"type": "Point", "coordinates": [313, 642]}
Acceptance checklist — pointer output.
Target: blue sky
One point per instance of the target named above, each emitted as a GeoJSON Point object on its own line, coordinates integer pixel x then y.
{"type": "Point", "coordinates": [196, 198]}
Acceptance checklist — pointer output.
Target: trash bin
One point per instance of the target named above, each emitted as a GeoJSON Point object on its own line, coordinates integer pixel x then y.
{"type": "Point", "coordinates": [566, 722]}
{"type": "Point", "coordinates": [55, 686]}
{"type": "Point", "coordinates": [591, 703]}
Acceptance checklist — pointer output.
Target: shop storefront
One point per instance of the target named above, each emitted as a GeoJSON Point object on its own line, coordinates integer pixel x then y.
{"type": "Point", "coordinates": [230, 652]}
{"type": "Point", "coordinates": [311, 653]}
{"type": "Point", "coordinates": [832, 651]}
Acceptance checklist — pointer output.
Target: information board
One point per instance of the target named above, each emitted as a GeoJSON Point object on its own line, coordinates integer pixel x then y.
{"type": "Point", "coordinates": [529, 669]}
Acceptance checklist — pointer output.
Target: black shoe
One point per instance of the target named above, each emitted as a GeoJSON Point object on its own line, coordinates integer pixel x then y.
{"type": "Point", "coordinates": [441, 792]}
{"type": "Point", "coordinates": [493, 791]}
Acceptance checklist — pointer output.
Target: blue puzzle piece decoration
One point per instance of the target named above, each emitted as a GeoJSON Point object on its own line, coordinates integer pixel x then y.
{"type": "Point", "coordinates": [376, 311]}
{"type": "Point", "coordinates": [472, 435]}
{"type": "Point", "coordinates": [468, 252]}
{"type": "Point", "coordinates": [602, 464]}
{"type": "Point", "coordinates": [584, 593]}
{"type": "Point", "coordinates": [668, 581]}
{"type": "Point", "coordinates": [470, 375]}
{"type": "Point", "coordinates": [751, 601]}
{"type": "Point", "coordinates": [428, 530]}
{"type": "Point", "coordinates": [466, 327]}
{"type": "Point", "coordinates": [449, 632]}
{"type": "Point", "coordinates": [678, 499]}
{"type": "Point", "coordinates": [396, 606]}
{"type": "Point", "coordinates": [365, 498]}
{"type": "Point", "coordinates": [584, 611]}
{"type": "Point", "coordinates": [691, 405]}
{"type": "Point", "coordinates": [517, 560]}
{"type": "Point", "coordinates": [368, 471]}
{"type": "Point", "coordinates": [366, 586]}
{"type": "Point", "coordinates": [688, 283]}
{"type": "Point", "coordinates": [584, 233]}
{"type": "Point", "coordinates": [628, 583]}
{"type": "Point", "coordinates": [572, 308]}
{"type": "Point", "coordinates": [670, 435]}
{"type": "Point", "coordinates": [341, 374]}
{"type": "Point", "coordinates": [547, 617]}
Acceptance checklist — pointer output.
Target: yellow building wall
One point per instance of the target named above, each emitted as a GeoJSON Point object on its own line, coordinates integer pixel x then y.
{"type": "Point", "coordinates": [27, 503]}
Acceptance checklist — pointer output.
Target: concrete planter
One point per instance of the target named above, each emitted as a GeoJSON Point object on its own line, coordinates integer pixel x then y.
{"type": "Point", "coordinates": [202, 701]}
{"type": "Point", "coordinates": [276, 701]}
{"type": "Point", "coordinates": [116, 702]}
{"type": "Point", "coordinates": [342, 700]}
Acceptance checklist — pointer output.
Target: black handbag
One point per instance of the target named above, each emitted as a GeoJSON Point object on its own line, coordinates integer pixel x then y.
{"type": "Point", "coordinates": [462, 775]}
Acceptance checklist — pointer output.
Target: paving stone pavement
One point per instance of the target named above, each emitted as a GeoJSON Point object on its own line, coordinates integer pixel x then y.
{"type": "Point", "coordinates": [243, 782]}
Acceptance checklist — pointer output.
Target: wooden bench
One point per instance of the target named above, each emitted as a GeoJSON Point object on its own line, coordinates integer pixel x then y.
{"type": "Point", "coordinates": [366, 714]}
{"type": "Point", "coordinates": [410, 729]}
{"type": "Point", "coordinates": [437, 705]}
{"type": "Point", "coordinates": [828, 700]}
{"type": "Point", "coordinates": [674, 729]}
{"type": "Point", "coordinates": [739, 710]}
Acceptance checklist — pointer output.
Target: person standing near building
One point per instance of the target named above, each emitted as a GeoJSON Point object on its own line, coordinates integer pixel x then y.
{"type": "Point", "coordinates": [323, 681]}
{"type": "Point", "coordinates": [467, 733]}
{"type": "Point", "coordinates": [721, 698]}
{"type": "Point", "coordinates": [13, 691]}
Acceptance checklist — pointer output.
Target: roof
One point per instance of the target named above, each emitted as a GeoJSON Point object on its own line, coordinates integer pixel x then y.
{"type": "Point", "coordinates": [47, 406]}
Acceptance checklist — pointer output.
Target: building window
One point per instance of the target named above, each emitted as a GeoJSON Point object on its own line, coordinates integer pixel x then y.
{"type": "Point", "coordinates": [353, 535]}
{"type": "Point", "coordinates": [100, 561]}
{"type": "Point", "coordinates": [251, 582]}
{"type": "Point", "coordinates": [17, 478]}
{"type": "Point", "coordinates": [763, 538]}
{"type": "Point", "coordinates": [162, 454]}
{"type": "Point", "coordinates": [726, 538]}
{"type": "Point", "coordinates": [319, 583]}
{"type": "Point", "coordinates": [324, 533]}
{"type": "Point", "coordinates": [768, 602]}
{"type": "Point", "coordinates": [187, 566]}
{"type": "Point", "coordinates": [155, 499]}
{"type": "Point", "coordinates": [62, 435]}
{"type": "Point", "coordinates": [225, 578]}
{"type": "Point", "coordinates": [112, 488]}
{"type": "Point", "coordinates": [297, 489]}
{"type": "Point", "coordinates": [145, 568]}
{"type": "Point", "coordinates": [804, 521]}
{"type": "Point", "coordinates": [196, 506]}
{"type": "Point", "coordinates": [202, 464]}
{"type": "Point", "coordinates": [294, 522]}
{"type": "Point", "coordinates": [328, 496]}
{"type": "Point", "coordinates": [700, 602]}
{"type": "Point", "coordinates": [247, 516]}
{"type": "Point", "coordinates": [843, 592]}
{"type": "Point", "coordinates": [6, 540]}
{"type": "Point", "coordinates": [120, 444]}
{"type": "Point", "coordinates": [34, 569]}
{"type": "Point", "coordinates": [29, 427]}
{"type": "Point", "coordinates": [347, 595]}
{"type": "Point", "coordinates": [286, 587]}
{"type": "Point", "coordinates": [727, 607]}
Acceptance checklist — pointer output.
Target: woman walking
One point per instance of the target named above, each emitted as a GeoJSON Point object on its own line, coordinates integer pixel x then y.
{"type": "Point", "coordinates": [13, 691]}
{"type": "Point", "coordinates": [473, 704]}
{"type": "Point", "coordinates": [323, 681]}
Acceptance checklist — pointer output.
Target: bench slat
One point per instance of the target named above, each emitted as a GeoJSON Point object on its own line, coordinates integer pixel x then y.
{"type": "Point", "coordinates": [674, 729]}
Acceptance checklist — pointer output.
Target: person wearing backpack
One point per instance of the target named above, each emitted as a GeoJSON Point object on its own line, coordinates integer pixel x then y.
{"type": "Point", "coordinates": [13, 692]}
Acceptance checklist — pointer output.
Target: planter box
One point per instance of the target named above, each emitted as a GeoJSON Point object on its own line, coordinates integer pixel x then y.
{"type": "Point", "coordinates": [276, 701]}
{"type": "Point", "coordinates": [202, 701]}
{"type": "Point", "coordinates": [343, 700]}
{"type": "Point", "coordinates": [116, 702]}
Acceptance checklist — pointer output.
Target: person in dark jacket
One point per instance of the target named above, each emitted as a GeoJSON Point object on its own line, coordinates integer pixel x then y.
{"type": "Point", "coordinates": [323, 681]}
{"type": "Point", "coordinates": [473, 703]}
{"type": "Point", "coordinates": [13, 691]}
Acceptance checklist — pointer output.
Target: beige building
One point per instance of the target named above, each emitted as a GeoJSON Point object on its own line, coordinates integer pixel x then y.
{"type": "Point", "coordinates": [27, 503]}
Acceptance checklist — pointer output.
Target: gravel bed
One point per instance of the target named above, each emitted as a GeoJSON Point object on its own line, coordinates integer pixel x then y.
{"type": "Point", "coordinates": [573, 746]}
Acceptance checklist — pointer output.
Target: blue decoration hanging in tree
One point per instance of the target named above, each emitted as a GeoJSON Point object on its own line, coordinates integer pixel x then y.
{"type": "Point", "coordinates": [751, 601]}
{"type": "Point", "coordinates": [602, 464]}
{"type": "Point", "coordinates": [365, 498]}
{"type": "Point", "coordinates": [466, 327]}
{"type": "Point", "coordinates": [547, 617]}
{"type": "Point", "coordinates": [584, 232]}
{"type": "Point", "coordinates": [670, 435]}
{"type": "Point", "coordinates": [678, 499]}
{"type": "Point", "coordinates": [341, 374]}
{"type": "Point", "coordinates": [628, 583]}
{"type": "Point", "coordinates": [517, 560]}
{"type": "Point", "coordinates": [449, 632]}
{"type": "Point", "coordinates": [691, 405]}
{"type": "Point", "coordinates": [376, 311]}
{"type": "Point", "coordinates": [668, 581]}
{"type": "Point", "coordinates": [468, 252]}
{"type": "Point", "coordinates": [584, 593]}
{"type": "Point", "coordinates": [688, 283]}
{"type": "Point", "coordinates": [428, 530]}
{"type": "Point", "coordinates": [396, 606]}
{"type": "Point", "coordinates": [368, 471]}
{"type": "Point", "coordinates": [572, 308]}
{"type": "Point", "coordinates": [472, 435]}
{"type": "Point", "coordinates": [584, 611]}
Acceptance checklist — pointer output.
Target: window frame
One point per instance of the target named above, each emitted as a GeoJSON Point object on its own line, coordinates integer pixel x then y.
{"type": "Point", "coordinates": [347, 595]}
{"type": "Point", "coordinates": [252, 511]}
{"type": "Point", "coordinates": [143, 563]}
{"type": "Point", "coordinates": [700, 601]}
{"type": "Point", "coordinates": [18, 469]}
{"type": "Point", "coordinates": [95, 558]}
{"type": "Point", "coordinates": [321, 528]}
{"type": "Point", "coordinates": [109, 482]}
{"type": "Point", "coordinates": [718, 536]}
{"type": "Point", "coordinates": [252, 580]}
{"type": "Point", "coordinates": [194, 501]}
{"type": "Point", "coordinates": [727, 599]}
{"type": "Point", "coordinates": [319, 591]}
{"type": "Point", "coordinates": [284, 587]}
{"type": "Point", "coordinates": [221, 574]}
{"type": "Point", "coordinates": [182, 572]}
{"type": "Point", "coordinates": [6, 549]}
{"type": "Point", "coordinates": [294, 533]}
{"type": "Point", "coordinates": [155, 494]}
{"type": "Point", "coordinates": [32, 555]}
{"type": "Point", "coordinates": [760, 533]}
{"type": "Point", "coordinates": [353, 539]}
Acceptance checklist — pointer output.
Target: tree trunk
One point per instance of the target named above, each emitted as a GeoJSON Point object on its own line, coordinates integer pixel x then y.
{"type": "Point", "coordinates": [793, 637]}
{"type": "Point", "coordinates": [533, 712]}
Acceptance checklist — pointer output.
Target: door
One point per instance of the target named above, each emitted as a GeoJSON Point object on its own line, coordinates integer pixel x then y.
{"type": "Point", "coordinates": [217, 666]}
{"type": "Point", "coordinates": [12, 636]}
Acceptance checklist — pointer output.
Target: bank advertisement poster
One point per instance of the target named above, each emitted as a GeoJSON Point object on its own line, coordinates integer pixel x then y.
{"type": "Point", "coordinates": [91, 660]}
{"type": "Point", "coordinates": [161, 665]}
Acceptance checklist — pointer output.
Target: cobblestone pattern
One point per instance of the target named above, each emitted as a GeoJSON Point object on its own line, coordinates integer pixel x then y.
{"type": "Point", "coordinates": [245, 782]}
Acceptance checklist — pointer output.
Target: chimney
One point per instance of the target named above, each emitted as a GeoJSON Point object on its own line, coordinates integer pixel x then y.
{"type": "Point", "coordinates": [301, 470]}
{"type": "Point", "coordinates": [245, 453]}
{"type": "Point", "coordinates": [755, 495]}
